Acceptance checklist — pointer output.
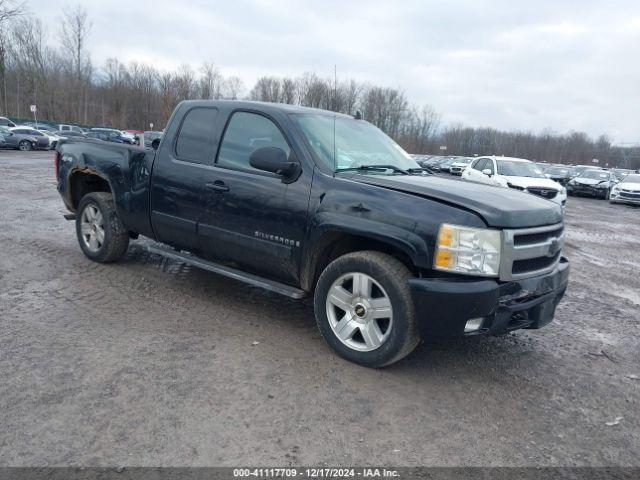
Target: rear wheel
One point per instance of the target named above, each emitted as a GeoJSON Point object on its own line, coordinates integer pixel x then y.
{"type": "Point", "coordinates": [25, 145]}
{"type": "Point", "coordinates": [364, 308]}
{"type": "Point", "coordinates": [100, 232]}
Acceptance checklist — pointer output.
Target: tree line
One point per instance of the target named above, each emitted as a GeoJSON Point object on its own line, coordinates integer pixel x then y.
{"type": "Point", "coordinates": [54, 71]}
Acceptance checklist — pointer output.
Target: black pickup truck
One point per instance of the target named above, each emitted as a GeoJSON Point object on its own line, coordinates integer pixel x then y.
{"type": "Point", "coordinates": [303, 201]}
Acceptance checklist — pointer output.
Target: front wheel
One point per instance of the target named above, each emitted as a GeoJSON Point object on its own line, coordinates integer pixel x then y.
{"type": "Point", "coordinates": [364, 309]}
{"type": "Point", "coordinates": [100, 232]}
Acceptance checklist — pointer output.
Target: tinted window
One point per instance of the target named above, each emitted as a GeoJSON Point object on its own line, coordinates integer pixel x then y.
{"type": "Point", "coordinates": [196, 137]}
{"type": "Point", "coordinates": [22, 131]}
{"type": "Point", "coordinates": [245, 133]}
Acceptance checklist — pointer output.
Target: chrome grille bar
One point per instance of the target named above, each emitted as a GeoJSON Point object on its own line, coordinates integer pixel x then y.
{"type": "Point", "coordinates": [547, 247]}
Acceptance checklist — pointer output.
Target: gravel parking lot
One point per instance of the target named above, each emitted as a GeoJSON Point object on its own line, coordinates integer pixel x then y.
{"type": "Point", "coordinates": [151, 362]}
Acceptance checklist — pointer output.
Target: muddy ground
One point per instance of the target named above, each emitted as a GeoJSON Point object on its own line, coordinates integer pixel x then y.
{"type": "Point", "coordinates": [150, 362]}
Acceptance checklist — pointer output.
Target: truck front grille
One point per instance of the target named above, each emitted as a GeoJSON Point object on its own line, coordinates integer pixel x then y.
{"type": "Point", "coordinates": [528, 252]}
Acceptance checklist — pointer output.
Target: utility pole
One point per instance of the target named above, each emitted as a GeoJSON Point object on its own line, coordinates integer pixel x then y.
{"type": "Point", "coordinates": [18, 99]}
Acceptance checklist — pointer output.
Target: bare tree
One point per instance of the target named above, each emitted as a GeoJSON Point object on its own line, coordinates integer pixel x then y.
{"type": "Point", "coordinates": [74, 30]}
{"type": "Point", "coordinates": [9, 9]}
{"type": "Point", "coordinates": [234, 87]}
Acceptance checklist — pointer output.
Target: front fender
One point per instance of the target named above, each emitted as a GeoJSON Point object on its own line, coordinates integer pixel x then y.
{"type": "Point", "coordinates": [328, 226]}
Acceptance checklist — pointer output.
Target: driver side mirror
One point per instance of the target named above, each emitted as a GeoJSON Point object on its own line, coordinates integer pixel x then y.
{"type": "Point", "coordinates": [487, 172]}
{"type": "Point", "coordinates": [274, 160]}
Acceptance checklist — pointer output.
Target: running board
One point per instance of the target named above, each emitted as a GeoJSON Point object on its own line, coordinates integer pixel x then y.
{"type": "Point", "coordinates": [254, 280]}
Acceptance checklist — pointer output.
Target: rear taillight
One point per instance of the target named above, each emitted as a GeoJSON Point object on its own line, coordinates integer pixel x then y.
{"type": "Point", "coordinates": [56, 165]}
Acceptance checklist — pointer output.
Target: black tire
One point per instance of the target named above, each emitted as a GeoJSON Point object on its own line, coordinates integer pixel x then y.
{"type": "Point", "coordinates": [392, 275]}
{"type": "Point", "coordinates": [116, 237]}
{"type": "Point", "coordinates": [25, 146]}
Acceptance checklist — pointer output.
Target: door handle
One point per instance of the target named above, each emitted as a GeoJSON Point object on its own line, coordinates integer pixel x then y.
{"type": "Point", "coordinates": [218, 187]}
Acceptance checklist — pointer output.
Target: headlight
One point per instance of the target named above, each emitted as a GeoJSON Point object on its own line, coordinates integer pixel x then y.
{"type": "Point", "coordinates": [563, 191]}
{"type": "Point", "coordinates": [472, 251]}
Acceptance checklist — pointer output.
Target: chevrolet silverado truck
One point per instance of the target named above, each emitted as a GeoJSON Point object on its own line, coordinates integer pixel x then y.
{"type": "Point", "coordinates": [308, 202]}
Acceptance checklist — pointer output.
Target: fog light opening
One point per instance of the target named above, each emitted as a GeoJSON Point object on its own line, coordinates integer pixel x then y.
{"type": "Point", "coordinates": [473, 325]}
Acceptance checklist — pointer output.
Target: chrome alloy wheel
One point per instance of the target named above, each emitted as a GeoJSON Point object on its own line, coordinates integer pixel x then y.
{"type": "Point", "coordinates": [359, 312]}
{"type": "Point", "coordinates": [92, 228]}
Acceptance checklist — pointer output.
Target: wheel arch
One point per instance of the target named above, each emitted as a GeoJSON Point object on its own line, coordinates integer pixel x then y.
{"type": "Point", "coordinates": [333, 242]}
{"type": "Point", "coordinates": [84, 180]}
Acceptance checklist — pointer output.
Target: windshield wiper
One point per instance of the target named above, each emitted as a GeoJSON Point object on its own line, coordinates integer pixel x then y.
{"type": "Point", "coordinates": [374, 167]}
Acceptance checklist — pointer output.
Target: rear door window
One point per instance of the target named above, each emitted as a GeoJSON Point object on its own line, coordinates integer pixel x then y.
{"type": "Point", "coordinates": [197, 135]}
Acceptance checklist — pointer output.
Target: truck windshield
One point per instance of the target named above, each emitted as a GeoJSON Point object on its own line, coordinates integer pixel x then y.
{"type": "Point", "coordinates": [343, 143]}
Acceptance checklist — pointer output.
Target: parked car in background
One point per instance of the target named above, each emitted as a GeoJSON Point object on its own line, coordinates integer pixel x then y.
{"type": "Point", "coordinates": [562, 175]}
{"type": "Point", "coordinates": [5, 122]}
{"type": "Point", "coordinates": [71, 133]}
{"type": "Point", "coordinates": [627, 191]}
{"type": "Point", "coordinates": [515, 173]}
{"type": "Point", "coordinates": [152, 139]}
{"type": "Point", "coordinates": [106, 137]}
{"type": "Point", "coordinates": [113, 132]}
{"type": "Point", "coordinates": [542, 166]}
{"type": "Point", "coordinates": [621, 173]}
{"type": "Point", "coordinates": [54, 138]}
{"type": "Point", "coordinates": [429, 162]}
{"type": "Point", "coordinates": [594, 183]}
{"type": "Point", "coordinates": [42, 141]}
{"type": "Point", "coordinates": [18, 141]}
{"type": "Point", "coordinates": [578, 169]}
{"type": "Point", "coordinates": [458, 166]}
{"type": "Point", "coordinates": [71, 128]}
{"type": "Point", "coordinates": [442, 164]}
{"type": "Point", "coordinates": [41, 127]}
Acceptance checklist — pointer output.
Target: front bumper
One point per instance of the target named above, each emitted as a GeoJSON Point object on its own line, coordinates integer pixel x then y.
{"type": "Point", "coordinates": [444, 306]}
{"type": "Point", "coordinates": [590, 190]}
{"type": "Point", "coordinates": [628, 198]}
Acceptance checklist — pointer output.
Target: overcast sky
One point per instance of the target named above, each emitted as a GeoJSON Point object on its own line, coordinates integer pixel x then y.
{"type": "Point", "coordinates": [506, 64]}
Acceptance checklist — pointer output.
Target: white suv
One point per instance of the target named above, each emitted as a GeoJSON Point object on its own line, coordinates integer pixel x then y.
{"type": "Point", "coordinates": [516, 173]}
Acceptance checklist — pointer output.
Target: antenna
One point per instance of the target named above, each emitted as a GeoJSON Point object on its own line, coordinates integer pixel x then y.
{"type": "Point", "coordinates": [335, 88]}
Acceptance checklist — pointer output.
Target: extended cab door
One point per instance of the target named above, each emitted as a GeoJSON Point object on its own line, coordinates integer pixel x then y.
{"type": "Point", "coordinates": [180, 173]}
{"type": "Point", "coordinates": [252, 218]}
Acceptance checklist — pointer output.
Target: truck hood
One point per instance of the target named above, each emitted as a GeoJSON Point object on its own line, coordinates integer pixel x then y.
{"type": "Point", "coordinates": [499, 207]}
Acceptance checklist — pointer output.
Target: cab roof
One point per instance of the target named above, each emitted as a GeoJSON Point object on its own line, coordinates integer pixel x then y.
{"type": "Point", "coordinates": [264, 106]}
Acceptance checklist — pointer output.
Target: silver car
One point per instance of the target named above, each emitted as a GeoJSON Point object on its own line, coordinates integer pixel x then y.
{"type": "Point", "coordinates": [22, 141]}
{"type": "Point", "coordinates": [42, 141]}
